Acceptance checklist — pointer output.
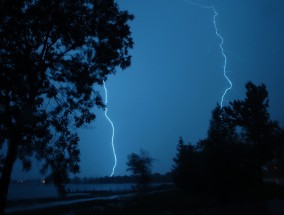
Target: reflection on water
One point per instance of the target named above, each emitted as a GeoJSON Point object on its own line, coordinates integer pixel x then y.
{"type": "Point", "coordinates": [38, 190]}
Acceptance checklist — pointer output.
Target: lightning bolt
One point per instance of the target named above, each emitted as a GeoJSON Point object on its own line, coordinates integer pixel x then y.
{"type": "Point", "coordinates": [221, 48]}
{"type": "Point", "coordinates": [112, 136]}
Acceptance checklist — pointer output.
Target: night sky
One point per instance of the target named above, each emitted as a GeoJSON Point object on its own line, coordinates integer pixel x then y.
{"type": "Point", "coordinates": [176, 77]}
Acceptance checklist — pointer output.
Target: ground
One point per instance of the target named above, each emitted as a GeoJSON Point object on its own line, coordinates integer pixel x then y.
{"type": "Point", "coordinates": [267, 200]}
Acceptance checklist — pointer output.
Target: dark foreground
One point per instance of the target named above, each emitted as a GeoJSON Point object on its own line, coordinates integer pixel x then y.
{"type": "Point", "coordinates": [268, 200]}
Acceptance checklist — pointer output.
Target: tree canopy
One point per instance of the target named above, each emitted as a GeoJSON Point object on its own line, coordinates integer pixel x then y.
{"type": "Point", "coordinates": [52, 54]}
{"type": "Point", "coordinates": [252, 117]}
{"type": "Point", "coordinates": [140, 165]}
{"type": "Point", "coordinates": [241, 141]}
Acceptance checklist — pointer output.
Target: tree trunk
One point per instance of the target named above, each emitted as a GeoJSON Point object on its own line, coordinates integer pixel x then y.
{"type": "Point", "coordinates": [6, 174]}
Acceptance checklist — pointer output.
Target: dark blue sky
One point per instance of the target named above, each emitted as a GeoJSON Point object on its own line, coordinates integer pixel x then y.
{"type": "Point", "coordinates": [176, 77]}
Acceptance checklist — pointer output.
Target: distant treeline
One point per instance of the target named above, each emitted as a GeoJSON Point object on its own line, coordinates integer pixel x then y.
{"type": "Point", "coordinates": [155, 178]}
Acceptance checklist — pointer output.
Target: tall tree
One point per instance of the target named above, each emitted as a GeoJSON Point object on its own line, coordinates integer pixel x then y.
{"type": "Point", "coordinates": [181, 171]}
{"type": "Point", "coordinates": [252, 117]}
{"type": "Point", "coordinates": [188, 167]}
{"type": "Point", "coordinates": [228, 160]}
{"type": "Point", "coordinates": [141, 167]}
{"type": "Point", "coordinates": [52, 53]}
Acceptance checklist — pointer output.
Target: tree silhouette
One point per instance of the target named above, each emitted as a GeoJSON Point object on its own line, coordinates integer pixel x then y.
{"type": "Point", "coordinates": [228, 160]}
{"type": "Point", "coordinates": [141, 167]}
{"type": "Point", "coordinates": [52, 54]}
{"type": "Point", "coordinates": [241, 140]}
{"type": "Point", "coordinates": [189, 167]}
{"type": "Point", "coordinates": [181, 172]}
{"type": "Point", "coordinates": [258, 130]}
